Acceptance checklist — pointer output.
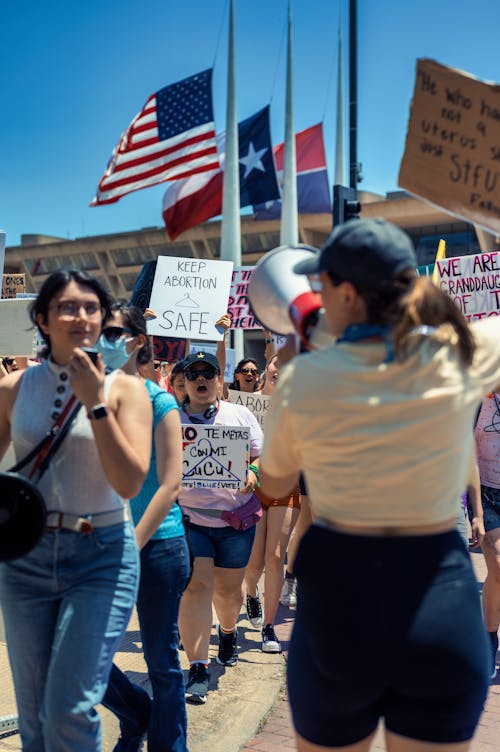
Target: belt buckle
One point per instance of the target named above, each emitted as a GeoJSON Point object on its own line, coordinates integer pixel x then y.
{"type": "Point", "coordinates": [58, 523]}
{"type": "Point", "coordinates": [85, 526]}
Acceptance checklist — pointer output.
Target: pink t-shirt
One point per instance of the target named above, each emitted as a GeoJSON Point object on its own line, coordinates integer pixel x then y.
{"type": "Point", "coordinates": [228, 414]}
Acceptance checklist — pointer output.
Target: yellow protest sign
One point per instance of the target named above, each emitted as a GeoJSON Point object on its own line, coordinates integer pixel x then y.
{"type": "Point", "coordinates": [452, 152]}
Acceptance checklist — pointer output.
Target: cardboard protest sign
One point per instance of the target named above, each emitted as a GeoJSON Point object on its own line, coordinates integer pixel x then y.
{"type": "Point", "coordinates": [258, 404]}
{"type": "Point", "coordinates": [169, 349]}
{"type": "Point", "coordinates": [452, 152]}
{"type": "Point", "coordinates": [17, 336]}
{"type": "Point", "coordinates": [230, 357]}
{"type": "Point", "coordinates": [13, 284]}
{"type": "Point", "coordinates": [188, 297]}
{"type": "Point", "coordinates": [215, 456]}
{"type": "Point", "coordinates": [473, 282]}
{"type": "Point", "coordinates": [241, 315]}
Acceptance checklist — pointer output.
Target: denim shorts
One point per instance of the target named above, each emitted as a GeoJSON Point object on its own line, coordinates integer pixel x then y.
{"type": "Point", "coordinates": [229, 548]}
{"type": "Point", "coordinates": [490, 498]}
{"type": "Point", "coordinates": [422, 660]}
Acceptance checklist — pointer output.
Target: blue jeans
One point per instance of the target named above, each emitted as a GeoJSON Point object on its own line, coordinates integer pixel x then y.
{"type": "Point", "coordinates": [66, 606]}
{"type": "Point", "coordinates": [164, 574]}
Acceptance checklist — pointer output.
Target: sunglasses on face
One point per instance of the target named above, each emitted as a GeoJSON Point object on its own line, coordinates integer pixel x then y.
{"type": "Point", "coordinates": [113, 333]}
{"type": "Point", "coordinates": [249, 371]}
{"type": "Point", "coordinates": [207, 373]}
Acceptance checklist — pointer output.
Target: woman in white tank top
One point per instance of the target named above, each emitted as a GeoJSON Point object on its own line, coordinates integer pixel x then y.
{"type": "Point", "coordinates": [66, 604]}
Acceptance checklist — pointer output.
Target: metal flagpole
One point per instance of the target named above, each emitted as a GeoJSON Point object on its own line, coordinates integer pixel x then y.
{"type": "Point", "coordinates": [230, 248]}
{"type": "Point", "coordinates": [289, 230]}
{"type": "Point", "coordinates": [340, 164]}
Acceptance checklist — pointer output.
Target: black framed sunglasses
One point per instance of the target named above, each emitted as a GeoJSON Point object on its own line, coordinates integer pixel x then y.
{"type": "Point", "coordinates": [249, 371]}
{"type": "Point", "coordinates": [207, 373]}
{"type": "Point", "coordinates": [113, 333]}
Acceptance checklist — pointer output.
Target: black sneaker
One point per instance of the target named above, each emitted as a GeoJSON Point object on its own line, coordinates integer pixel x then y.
{"type": "Point", "coordinates": [197, 684]}
{"type": "Point", "coordinates": [494, 648]}
{"type": "Point", "coordinates": [254, 609]}
{"type": "Point", "coordinates": [228, 648]}
{"type": "Point", "coordinates": [270, 643]}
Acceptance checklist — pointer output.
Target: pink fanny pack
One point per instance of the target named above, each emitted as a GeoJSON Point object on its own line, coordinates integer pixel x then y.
{"type": "Point", "coordinates": [240, 518]}
{"type": "Point", "coordinates": [244, 517]}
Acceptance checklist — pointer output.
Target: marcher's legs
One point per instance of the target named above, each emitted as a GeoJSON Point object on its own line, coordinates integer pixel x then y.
{"type": "Point", "coordinates": [394, 743]}
{"type": "Point", "coordinates": [280, 523]}
{"type": "Point", "coordinates": [491, 587]}
{"type": "Point", "coordinates": [92, 581]}
{"type": "Point", "coordinates": [363, 746]}
{"type": "Point", "coordinates": [195, 613]}
{"type": "Point", "coordinates": [130, 703]}
{"type": "Point", "coordinates": [255, 565]}
{"type": "Point", "coordinates": [228, 595]}
{"type": "Point", "coordinates": [164, 573]}
{"type": "Point", "coordinates": [301, 526]}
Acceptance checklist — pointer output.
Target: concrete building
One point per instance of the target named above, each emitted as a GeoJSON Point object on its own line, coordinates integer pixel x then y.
{"type": "Point", "coordinates": [117, 258]}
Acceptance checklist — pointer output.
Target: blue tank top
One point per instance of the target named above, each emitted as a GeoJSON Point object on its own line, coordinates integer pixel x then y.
{"type": "Point", "coordinates": [172, 526]}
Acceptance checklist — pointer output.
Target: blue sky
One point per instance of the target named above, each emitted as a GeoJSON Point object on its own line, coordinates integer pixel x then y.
{"type": "Point", "coordinates": [73, 75]}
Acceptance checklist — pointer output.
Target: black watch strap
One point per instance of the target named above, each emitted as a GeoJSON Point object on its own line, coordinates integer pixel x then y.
{"type": "Point", "coordinates": [98, 411]}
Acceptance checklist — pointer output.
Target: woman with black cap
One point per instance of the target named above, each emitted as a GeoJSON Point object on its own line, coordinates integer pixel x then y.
{"type": "Point", "coordinates": [221, 551]}
{"type": "Point", "coordinates": [380, 423]}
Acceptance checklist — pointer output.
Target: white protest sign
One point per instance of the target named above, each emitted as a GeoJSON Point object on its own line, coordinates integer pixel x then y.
{"type": "Point", "coordinates": [16, 331]}
{"type": "Point", "coordinates": [215, 456]}
{"type": "Point", "coordinates": [239, 308]}
{"type": "Point", "coordinates": [258, 404]}
{"type": "Point", "coordinates": [473, 282]}
{"type": "Point", "coordinates": [230, 357]}
{"type": "Point", "coordinates": [188, 297]}
{"type": "Point", "coordinates": [2, 251]}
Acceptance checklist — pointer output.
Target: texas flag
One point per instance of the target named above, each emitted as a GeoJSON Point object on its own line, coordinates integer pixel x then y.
{"type": "Point", "coordinates": [196, 199]}
{"type": "Point", "coordinates": [313, 191]}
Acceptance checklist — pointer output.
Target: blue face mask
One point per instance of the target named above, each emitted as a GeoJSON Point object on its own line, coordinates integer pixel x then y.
{"type": "Point", "coordinates": [114, 354]}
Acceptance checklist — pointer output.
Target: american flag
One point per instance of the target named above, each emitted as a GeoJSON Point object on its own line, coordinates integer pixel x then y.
{"type": "Point", "coordinates": [172, 137]}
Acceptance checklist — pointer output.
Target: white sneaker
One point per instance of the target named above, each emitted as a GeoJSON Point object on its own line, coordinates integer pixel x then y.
{"type": "Point", "coordinates": [288, 595]}
{"type": "Point", "coordinates": [270, 643]}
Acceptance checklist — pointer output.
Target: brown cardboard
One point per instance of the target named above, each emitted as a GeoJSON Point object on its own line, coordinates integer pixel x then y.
{"type": "Point", "coordinates": [452, 152]}
{"type": "Point", "coordinates": [12, 284]}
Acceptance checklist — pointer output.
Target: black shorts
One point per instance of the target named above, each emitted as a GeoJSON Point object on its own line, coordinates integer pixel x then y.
{"type": "Point", "coordinates": [386, 628]}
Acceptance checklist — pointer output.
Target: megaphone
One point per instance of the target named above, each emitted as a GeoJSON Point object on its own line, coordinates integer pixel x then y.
{"type": "Point", "coordinates": [22, 516]}
{"type": "Point", "coordinates": [281, 300]}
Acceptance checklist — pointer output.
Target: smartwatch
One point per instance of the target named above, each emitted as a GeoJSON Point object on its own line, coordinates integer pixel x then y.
{"type": "Point", "coordinates": [98, 411]}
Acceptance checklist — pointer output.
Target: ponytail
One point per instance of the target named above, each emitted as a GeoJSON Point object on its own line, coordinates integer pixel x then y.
{"type": "Point", "coordinates": [425, 304]}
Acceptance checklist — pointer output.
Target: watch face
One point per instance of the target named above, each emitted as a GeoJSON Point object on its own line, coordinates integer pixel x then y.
{"type": "Point", "coordinates": [98, 412]}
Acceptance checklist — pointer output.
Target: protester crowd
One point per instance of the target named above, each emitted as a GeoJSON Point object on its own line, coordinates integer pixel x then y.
{"type": "Point", "coordinates": [122, 529]}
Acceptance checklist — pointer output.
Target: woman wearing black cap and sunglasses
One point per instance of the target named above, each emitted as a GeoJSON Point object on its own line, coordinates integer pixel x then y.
{"type": "Point", "coordinates": [380, 423]}
{"type": "Point", "coordinates": [221, 552]}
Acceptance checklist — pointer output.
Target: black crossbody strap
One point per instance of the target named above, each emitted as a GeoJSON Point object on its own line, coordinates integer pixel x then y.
{"type": "Point", "coordinates": [60, 436]}
{"type": "Point", "coordinates": [57, 431]}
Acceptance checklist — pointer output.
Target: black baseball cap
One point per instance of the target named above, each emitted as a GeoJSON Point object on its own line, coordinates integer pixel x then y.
{"type": "Point", "coordinates": [201, 357]}
{"type": "Point", "coordinates": [366, 252]}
